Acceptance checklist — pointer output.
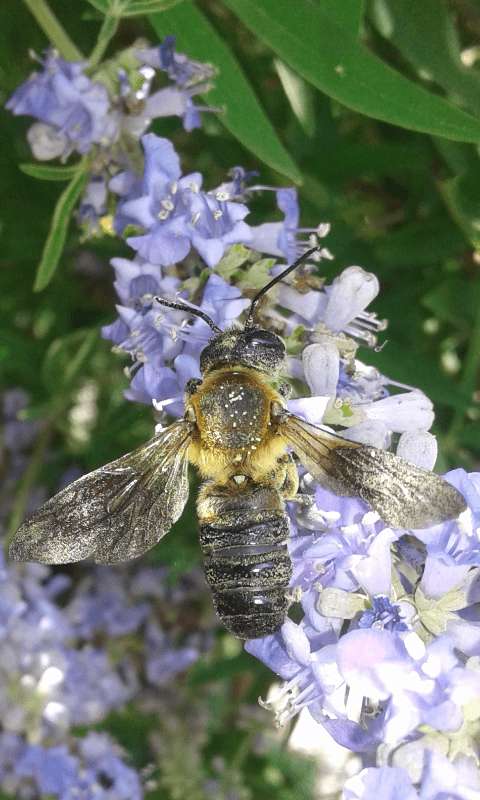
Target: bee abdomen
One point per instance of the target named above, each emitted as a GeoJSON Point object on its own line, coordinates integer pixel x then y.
{"type": "Point", "coordinates": [248, 568]}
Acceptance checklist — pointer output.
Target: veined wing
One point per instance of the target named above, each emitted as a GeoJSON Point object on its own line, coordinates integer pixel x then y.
{"type": "Point", "coordinates": [116, 512]}
{"type": "Point", "coordinates": [404, 495]}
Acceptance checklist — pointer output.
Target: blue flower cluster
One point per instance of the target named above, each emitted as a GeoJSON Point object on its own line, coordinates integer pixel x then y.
{"type": "Point", "coordinates": [51, 676]}
{"type": "Point", "coordinates": [76, 113]}
{"type": "Point", "coordinates": [374, 599]}
{"type": "Point", "coordinates": [386, 655]}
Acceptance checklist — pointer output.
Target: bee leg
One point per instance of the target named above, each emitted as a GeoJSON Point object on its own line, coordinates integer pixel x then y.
{"type": "Point", "coordinates": [288, 471]}
{"type": "Point", "coordinates": [191, 387]}
{"type": "Point", "coordinates": [285, 390]}
{"type": "Point", "coordinates": [304, 499]}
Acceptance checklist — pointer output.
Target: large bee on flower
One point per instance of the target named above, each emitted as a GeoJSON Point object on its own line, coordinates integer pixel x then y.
{"type": "Point", "coordinates": [235, 430]}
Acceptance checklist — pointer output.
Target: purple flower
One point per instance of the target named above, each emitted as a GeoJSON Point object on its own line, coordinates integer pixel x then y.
{"type": "Point", "coordinates": [101, 603]}
{"type": "Point", "coordinates": [94, 203]}
{"type": "Point", "coordinates": [384, 783]}
{"type": "Point", "coordinates": [383, 613]}
{"type": "Point", "coordinates": [190, 77]}
{"type": "Point", "coordinates": [64, 683]}
{"type": "Point", "coordinates": [287, 239]}
{"type": "Point", "coordinates": [165, 349]}
{"type": "Point", "coordinates": [427, 775]}
{"type": "Point", "coordinates": [180, 68]}
{"type": "Point", "coordinates": [176, 213]}
{"type": "Point", "coordinates": [56, 771]}
{"type": "Point", "coordinates": [163, 659]}
{"type": "Point", "coordinates": [77, 110]}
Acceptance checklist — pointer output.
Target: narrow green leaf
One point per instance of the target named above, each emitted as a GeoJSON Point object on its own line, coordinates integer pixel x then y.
{"type": "Point", "coordinates": [131, 8]}
{"type": "Point", "coordinates": [334, 61]}
{"type": "Point", "coordinates": [47, 173]}
{"type": "Point", "coordinates": [425, 34]}
{"type": "Point", "coordinates": [243, 117]}
{"type": "Point", "coordinates": [299, 94]}
{"type": "Point", "coordinates": [347, 13]}
{"type": "Point", "coordinates": [137, 7]}
{"type": "Point", "coordinates": [58, 230]}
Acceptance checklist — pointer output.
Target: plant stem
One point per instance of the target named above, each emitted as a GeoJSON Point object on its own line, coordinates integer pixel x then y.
{"type": "Point", "coordinates": [107, 31]}
{"type": "Point", "coordinates": [55, 32]}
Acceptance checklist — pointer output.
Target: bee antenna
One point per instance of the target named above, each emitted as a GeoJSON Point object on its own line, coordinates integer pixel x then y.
{"type": "Point", "coordinates": [195, 311]}
{"type": "Point", "coordinates": [291, 268]}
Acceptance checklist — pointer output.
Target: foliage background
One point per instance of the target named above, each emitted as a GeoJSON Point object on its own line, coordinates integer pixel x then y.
{"type": "Point", "coordinates": [372, 111]}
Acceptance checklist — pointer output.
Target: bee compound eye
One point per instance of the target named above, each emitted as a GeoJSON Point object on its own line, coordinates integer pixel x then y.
{"type": "Point", "coordinates": [262, 337]}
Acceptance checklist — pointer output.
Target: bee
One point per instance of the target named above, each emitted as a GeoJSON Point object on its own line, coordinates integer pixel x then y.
{"type": "Point", "coordinates": [235, 430]}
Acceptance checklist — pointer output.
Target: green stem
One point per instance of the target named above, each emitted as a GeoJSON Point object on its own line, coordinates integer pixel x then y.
{"type": "Point", "coordinates": [28, 480]}
{"type": "Point", "coordinates": [469, 379]}
{"type": "Point", "coordinates": [55, 32]}
{"type": "Point", "coordinates": [106, 33]}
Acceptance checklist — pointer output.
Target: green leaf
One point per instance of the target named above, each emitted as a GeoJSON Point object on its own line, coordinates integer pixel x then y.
{"type": "Point", "coordinates": [347, 13]}
{"type": "Point", "coordinates": [333, 60]}
{"type": "Point", "coordinates": [424, 33]}
{"type": "Point", "coordinates": [347, 161]}
{"type": "Point", "coordinates": [300, 96]}
{"type": "Point", "coordinates": [244, 117]}
{"type": "Point", "coordinates": [58, 231]}
{"type": "Point", "coordinates": [46, 173]}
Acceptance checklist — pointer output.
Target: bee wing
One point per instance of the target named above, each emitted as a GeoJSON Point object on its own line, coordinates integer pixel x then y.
{"type": "Point", "coordinates": [116, 512]}
{"type": "Point", "coordinates": [404, 495]}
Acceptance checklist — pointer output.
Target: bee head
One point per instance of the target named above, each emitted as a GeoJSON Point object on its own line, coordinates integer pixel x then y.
{"type": "Point", "coordinates": [254, 348]}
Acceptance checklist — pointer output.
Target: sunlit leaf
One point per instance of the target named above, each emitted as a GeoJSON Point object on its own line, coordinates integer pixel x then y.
{"type": "Point", "coordinates": [243, 116]}
{"type": "Point", "coordinates": [348, 14]}
{"type": "Point", "coordinates": [425, 34]}
{"type": "Point", "coordinates": [333, 60]}
{"type": "Point", "coordinates": [45, 172]}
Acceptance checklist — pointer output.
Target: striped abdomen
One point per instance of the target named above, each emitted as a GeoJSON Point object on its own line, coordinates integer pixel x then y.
{"type": "Point", "coordinates": [248, 566]}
